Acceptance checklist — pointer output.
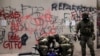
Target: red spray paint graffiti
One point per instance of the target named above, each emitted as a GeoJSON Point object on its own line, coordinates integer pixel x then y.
{"type": "Point", "coordinates": [13, 42]}
{"type": "Point", "coordinates": [10, 14]}
{"type": "Point", "coordinates": [41, 24]}
{"type": "Point", "coordinates": [76, 15]}
{"type": "Point", "coordinates": [15, 26]}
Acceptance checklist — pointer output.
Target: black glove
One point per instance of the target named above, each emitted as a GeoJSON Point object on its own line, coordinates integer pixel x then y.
{"type": "Point", "coordinates": [79, 38]}
{"type": "Point", "coordinates": [75, 38]}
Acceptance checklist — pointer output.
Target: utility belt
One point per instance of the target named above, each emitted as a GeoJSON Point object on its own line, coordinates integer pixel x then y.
{"type": "Point", "coordinates": [86, 34]}
{"type": "Point", "coordinates": [84, 37]}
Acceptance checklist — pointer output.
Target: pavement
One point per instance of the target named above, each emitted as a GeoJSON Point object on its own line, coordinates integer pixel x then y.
{"type": "Point", "coordinates": [77, 51]}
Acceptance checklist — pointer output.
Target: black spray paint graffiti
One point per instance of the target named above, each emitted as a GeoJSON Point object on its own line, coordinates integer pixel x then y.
{"type": "Point", "coordinates": [66, 6]}
{"type": "Point", "coordinates": [24, 38]}
{"type": "Point", "coordinates": [34, 10]}
{"type": "Point", "coordinates": [36, 13]}
{"type": "Point", "coordinates": [21, 24]}
{"type": "Point", "coordinates": [2, 35]}
{"type": "Point", "coordinates": [43, 18]}
{"type": "Point", "coordinates": [75, 12]}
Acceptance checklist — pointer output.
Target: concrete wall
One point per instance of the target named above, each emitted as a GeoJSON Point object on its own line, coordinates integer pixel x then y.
{"type": "Point", "coordinates": [22, 22]}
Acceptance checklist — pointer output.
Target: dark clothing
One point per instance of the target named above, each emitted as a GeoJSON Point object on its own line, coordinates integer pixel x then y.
{"type": "Point", "coordinates": [52, 54]}
{"type": "Point", "coordinates": [87, 40]}
{"type": "Point", "coordinates": [86, 31]}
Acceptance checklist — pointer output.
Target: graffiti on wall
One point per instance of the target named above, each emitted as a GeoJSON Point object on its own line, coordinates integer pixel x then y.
{"type": "Point", "coordinates": [37, 21]}
{"type": "Point", "coordinates": [2, 35]}
{"type": "Point", "coordinates": [12, 42]}
{"type": "Point", "coordinates": [75, 12]}
{"type": "Point", "coordinates": [24, 38]}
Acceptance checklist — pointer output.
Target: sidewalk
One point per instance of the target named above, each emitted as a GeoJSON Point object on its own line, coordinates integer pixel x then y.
{"type": "Point", "coordinates": [15, 54]}
{"type": "Point", "coordinates": [77, 52]}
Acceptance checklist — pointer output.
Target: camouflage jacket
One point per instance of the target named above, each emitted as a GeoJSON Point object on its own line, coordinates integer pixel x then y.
{"type": "Point", "coordinates": [86, 29]}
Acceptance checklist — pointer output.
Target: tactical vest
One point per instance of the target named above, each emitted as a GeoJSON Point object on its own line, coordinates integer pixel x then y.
{"type": "Point", "coordinates": [86, 28]}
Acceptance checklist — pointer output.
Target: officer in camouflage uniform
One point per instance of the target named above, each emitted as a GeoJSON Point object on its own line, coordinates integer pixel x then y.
{"type": "Point", "coordinates": [86, 28]}
{"type": "Point", "coordinates": [64, 45]}
{"type": "Point", "coordinates": [44, 45]}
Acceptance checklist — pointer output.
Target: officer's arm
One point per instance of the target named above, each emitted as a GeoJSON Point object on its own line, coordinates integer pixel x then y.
{"type": "Point", "coordinates": [92, 28]}
{"type": "Point", "coordinates": [93, 35]}
{"type": "Point", "coordinates": [77, 28]}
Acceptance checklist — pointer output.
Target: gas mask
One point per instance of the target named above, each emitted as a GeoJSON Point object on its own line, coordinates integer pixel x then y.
{"type": "Point", "coordinates": [85, 17]}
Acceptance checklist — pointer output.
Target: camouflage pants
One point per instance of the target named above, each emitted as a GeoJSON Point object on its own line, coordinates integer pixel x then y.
{"type": "Point", "coordinates": [87, 40]}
